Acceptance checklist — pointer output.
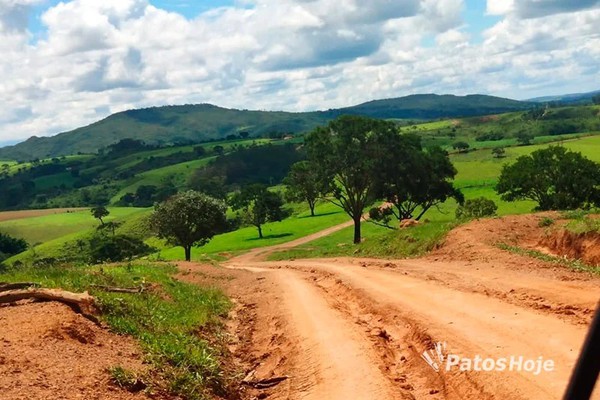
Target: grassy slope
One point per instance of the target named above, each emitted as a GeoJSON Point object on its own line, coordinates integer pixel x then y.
{"type": "Point", "coordinates": [49, 234]}
{"type": "Point", "coordinates": [165, 320]}
{"type": "Point", "coordinates": [178, 173]}
{"type": "Point", "coordinates": [299, 225]}
{"type": "Point", "coordinates": [50, 227]}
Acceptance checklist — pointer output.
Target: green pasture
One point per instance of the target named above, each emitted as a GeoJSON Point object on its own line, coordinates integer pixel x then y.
{"type": "Point", "coordinates": [178, 173]}
{"type": "Point", "coordinates": [299, 225]}
{"type": "Point", "coordinates": [57, 227]}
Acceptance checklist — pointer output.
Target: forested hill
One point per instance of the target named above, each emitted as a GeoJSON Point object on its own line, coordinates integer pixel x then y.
{"type": "Point", "coordinates": [196, 123]}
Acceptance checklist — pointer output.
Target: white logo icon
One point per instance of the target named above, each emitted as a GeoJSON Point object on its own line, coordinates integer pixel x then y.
{"type": "Point", "coordinates": [435, 357]}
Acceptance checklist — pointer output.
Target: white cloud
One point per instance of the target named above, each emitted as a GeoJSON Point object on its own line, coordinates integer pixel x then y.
{"type": "Point", "coordinates": [100, 57]}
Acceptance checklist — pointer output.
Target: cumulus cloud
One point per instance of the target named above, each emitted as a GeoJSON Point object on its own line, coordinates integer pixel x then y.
{"type": "Point", "coordinates": [101, 57]}
{"type": "Point", "coordinates": [538, 8]}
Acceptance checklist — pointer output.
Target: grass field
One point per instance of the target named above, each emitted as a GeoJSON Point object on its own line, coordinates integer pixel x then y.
{"type": "Point", "coordinates": [48, 228]}
{"type": "Point", "coordinates": [480, 168]}
{"type": "Point", "coordinates": [297, 226]}
{"type": "Point", "coordinates": [178, 173]}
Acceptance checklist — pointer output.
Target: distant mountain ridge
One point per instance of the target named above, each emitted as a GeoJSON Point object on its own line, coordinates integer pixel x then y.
{"type": "Point", "coordinates": [572, 98]}
{"type": "Point", "coordinates": [202, 122]}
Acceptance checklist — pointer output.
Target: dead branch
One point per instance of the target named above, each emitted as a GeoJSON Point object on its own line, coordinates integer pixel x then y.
{"type": "Point", "coordinates": [18, 285]}
{"type": "Point", "coordinates": [82, 303]}
{"type": "Point", "coordinates": [119, 289]}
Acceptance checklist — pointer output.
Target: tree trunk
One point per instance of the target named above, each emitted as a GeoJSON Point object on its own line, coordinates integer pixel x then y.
{"type": "Point", "coordinates": [188, 253]}
{"type": "Point", "coordinates": [357, 236]}
{"type": "Point", "coordinates": [312, 208]}
{"type": "Point", "coordinates": [260, 234]}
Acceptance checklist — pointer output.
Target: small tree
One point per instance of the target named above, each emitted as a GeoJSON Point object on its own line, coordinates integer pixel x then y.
{"type": "Point", "coordinates": [476, 208]}
{"type": "Point", "coordinates": [557, 179]}
{"type": "Point", "coordinates": [462, 147]}
{"type": "Point", "coordinates": [100, 213]}
{"type": "Point", "coordinates": [499, 152]}
{"type": "Point", "coordinates": [189, 219]}
{"type": "Point", "coordinates": [257, 206]}
{"type": "Point", "coordinates": [303, 184]}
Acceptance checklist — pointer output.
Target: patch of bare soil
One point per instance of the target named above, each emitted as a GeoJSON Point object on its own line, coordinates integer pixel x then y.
{"type": "Point", "coordinates": [49, 352]}
{"type": "Point", "coordinates": [11, 215]}
{"type": "Point", "coordinates": [261, 348]}
{"type": "Point", "coordinates": [581, 246]}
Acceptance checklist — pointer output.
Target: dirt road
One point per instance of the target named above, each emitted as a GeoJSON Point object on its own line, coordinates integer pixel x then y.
{"type": "Point", "coordinates": [356, 328]}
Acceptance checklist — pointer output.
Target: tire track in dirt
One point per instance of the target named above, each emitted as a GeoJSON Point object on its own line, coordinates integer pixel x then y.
{"type": "Point", "coordinates": [495, 307]}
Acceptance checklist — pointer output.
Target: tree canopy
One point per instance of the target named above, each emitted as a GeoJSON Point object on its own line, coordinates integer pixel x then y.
{"type": "Point", "coordinates": [304, 184]}
{"type": "Point", "coordinates": [257, 206]}
{"type": "Point", "coordinates": [556, 178]}
{"type": "Point", "coordinates": [411, 178]}
{"type": "Point", "coordinates": [189, 219]}
{"type": "Point", "coordinates": [344, 153]}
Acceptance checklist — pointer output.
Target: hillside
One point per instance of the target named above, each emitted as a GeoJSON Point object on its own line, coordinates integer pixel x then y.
{"type": "Point", "coordinates": [135, 174]}
{"type": "Point", "coordinates": [197, 123]}
{"type": "Point", "coordinates": [431, 106]}
{"type": "Point", "coordinates": [572, 98]}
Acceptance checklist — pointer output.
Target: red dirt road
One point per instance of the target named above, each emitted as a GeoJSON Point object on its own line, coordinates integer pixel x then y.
{"type": "Point", "coordinates": [356, 328]}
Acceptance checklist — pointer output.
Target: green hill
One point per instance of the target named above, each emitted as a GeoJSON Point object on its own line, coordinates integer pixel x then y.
{"type": "Point", "coordinates": [432, 106]}
{"type": "Point", "coordinates": [199, 123]}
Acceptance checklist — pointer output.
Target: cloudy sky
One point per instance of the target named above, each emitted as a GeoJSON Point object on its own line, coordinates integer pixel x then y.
{"type": "Point", "coordinates": [67, 64]}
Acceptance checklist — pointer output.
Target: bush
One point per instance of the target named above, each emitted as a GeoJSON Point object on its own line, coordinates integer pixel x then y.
{"type": "Point", "coordinates": [10, 246]}
{"type": "Point", "coordinates": [117, 248]}
{"type": "Point", "coordinates": [476, 208]}
{"type": "Point", "coordinates": [545, 222]}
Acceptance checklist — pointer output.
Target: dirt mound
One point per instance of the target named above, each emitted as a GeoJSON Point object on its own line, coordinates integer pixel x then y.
{"type": "Point", "coordinates": [477, 240]}
{"type": "Point", "coordinates": [583, 246]}
{"type": "Point", "coordinates": [49, 352]}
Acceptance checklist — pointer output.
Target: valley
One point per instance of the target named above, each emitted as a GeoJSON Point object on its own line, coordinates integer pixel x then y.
{"type": "Point", "coordinates": [284, 304]}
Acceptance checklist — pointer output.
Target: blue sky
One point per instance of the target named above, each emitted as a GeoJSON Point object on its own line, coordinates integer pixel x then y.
{"type": "Point", "coordinates": [70, 63]}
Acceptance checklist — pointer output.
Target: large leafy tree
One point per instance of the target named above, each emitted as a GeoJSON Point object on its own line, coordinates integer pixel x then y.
{"type": "Point", "coordinates": [411, 178]}
{"type": "Point", "coordinates": [304, 184]}
{"type": "Point", "coordinates": [344, 153]}
{"type": "Point", "coordinates": [257, 206]}
{"type": "Point", "coordinates": [556, 178]}
{"type": "Point", "coordinates": [189, 219]}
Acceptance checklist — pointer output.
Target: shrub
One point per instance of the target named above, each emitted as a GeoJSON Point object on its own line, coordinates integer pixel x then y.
{"type": "Point", "coordinates": [545, 222]}
{"type": "Point", "coordinates": [117, 248]}
{"type": "Point", "coordinates": [476, 208]}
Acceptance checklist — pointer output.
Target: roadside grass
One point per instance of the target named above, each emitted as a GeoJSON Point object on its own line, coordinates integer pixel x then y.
{"type": "Point", "coordinates": [226, 245]}
{"type": "Point", "coordinates": [574, 264]}
{"type": "Point", "coordinates": [51, 227]}
{"type": "Point", "coordinates": [166, 319]}
{"type": "Point", "coordinates": [378, 242]}
{"type": "Point", "coordinates": [381, 242]}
